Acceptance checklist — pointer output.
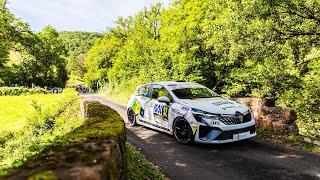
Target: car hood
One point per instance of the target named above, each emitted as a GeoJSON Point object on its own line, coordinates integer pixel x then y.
{"type": "Point", "coordinates": [216, 105]}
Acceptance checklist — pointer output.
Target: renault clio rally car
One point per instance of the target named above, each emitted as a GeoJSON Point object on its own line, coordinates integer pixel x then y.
{"type": "Point", "coordinates": [190, 112]}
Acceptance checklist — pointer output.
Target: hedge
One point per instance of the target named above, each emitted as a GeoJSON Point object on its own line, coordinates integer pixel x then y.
{"type": "Point", "coordinates": [16, 91]}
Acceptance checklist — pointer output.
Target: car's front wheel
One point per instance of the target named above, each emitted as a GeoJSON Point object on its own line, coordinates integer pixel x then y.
{"type": "Point", "coordinates": [182, 131]}
{"type": "Point", "coordinates": [131, 117]}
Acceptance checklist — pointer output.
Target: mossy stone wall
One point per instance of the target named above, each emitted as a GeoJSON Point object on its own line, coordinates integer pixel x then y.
{"type": "Point", "coordinates": [96, 150]}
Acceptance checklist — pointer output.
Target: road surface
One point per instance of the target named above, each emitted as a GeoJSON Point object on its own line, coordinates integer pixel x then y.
{"type": "Point", "coordinates": [242, 160]}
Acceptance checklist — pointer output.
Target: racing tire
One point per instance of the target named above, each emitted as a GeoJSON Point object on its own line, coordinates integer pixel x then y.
{"type": "Point", "coordinates": [131, 117]}
{"type": "Point", "coordinates": [182, 131]}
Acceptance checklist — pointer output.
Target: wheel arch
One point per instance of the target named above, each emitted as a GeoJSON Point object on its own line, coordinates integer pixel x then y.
{"type": "Point", "coordinates": [190, 126]}
{"type": "Point", "coordinates": [175, 119]}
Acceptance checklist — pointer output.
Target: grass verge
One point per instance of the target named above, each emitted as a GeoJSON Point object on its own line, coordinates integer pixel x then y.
{"type": "Point", "coordinates": [30, 123]}
{"type": "Point", "coordinates": [139, 167]}
{"type": "Point", "coordinates": [287, 140]}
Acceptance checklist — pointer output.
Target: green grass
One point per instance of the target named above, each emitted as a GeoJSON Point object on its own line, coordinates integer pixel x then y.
{"type": "Point", "coordinates": [139, 167]}
{"type": "Point", "coordinates": [29, 123]}
{"type": "Point", "coordinates": [289, 140]}
{"type": "Point", "coordinates": [15, 110]}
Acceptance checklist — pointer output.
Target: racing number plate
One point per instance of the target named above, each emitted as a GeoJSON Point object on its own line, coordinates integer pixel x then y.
{"type": "Point", "coordinates": [241, 135]}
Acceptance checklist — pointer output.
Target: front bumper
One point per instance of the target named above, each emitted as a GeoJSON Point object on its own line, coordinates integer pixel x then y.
{"type": "Point", "coordinates": [225, 134]}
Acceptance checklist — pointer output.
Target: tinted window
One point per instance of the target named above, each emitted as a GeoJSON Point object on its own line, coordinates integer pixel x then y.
{"type": "Point", "coordinates": [159, 91]}
{"type": "Point", "coordinates": [193, 93]}
{"type": "Point", "coordinates": [143, 91]}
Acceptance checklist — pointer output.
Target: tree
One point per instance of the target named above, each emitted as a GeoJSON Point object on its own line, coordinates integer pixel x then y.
{"type": "Point", "coordinates": [77, 45]}
{"type": "Point", "coordinates": [99, 60]}
{"type": "Point", "coordinates": [44, 64]}
{"type": "Point", "coordinates": [48, 55]}
{"type": "Point", "coordinates": [241, 48]}
{"type": "Point", "coordinates": [12, 32]}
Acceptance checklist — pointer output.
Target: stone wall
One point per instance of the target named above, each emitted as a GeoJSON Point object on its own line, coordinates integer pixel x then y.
{"type": "Point", "coordinates": [96, 150]}
{"type": "Point", "coordinates": [269, 117]}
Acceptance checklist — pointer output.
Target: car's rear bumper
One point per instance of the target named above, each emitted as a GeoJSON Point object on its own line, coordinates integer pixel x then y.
{"type": "Point", "coordinates": [217, 135]}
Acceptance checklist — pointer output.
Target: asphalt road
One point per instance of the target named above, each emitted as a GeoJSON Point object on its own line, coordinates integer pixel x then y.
{"type": "Point", "coordinates": [251, 159]}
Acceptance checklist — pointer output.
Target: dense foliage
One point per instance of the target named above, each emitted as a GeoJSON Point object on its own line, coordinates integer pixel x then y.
{"type": "Point", "coordinates": [28, 58]}
{"type": "Point", "coordinates": [239, 48]}
{"type": "Point", "coordinates": [77, 45]}
{"type": "Point", "coordinates": [41, 119]}
{"type": "Point", "coordinates": [16, 91]}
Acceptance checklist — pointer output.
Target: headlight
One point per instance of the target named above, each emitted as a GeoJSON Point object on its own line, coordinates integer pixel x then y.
{"type": "Point", "coordinates": [205, 117]}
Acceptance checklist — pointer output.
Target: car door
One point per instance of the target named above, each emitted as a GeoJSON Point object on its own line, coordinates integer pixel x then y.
{"type": "Point", "coordinates": [158, 111]}
{"type": "Point", "coordinates": [140, 103]}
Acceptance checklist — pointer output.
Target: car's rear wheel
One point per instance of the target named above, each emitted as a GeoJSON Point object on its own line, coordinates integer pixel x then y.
{"type": "Point", "coordinates": [182, 131]}
{"type": "Point", "coordinates": [131, 117]}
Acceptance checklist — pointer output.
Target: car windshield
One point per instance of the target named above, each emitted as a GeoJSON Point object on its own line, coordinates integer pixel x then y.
{"type": "Point", "coordinates": [194, 93]}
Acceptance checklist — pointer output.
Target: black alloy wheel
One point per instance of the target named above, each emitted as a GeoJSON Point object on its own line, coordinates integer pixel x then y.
{"type": "Point", "coordinates": [182, 131]}
{"type": "Point", "coordinates": [131, 117]}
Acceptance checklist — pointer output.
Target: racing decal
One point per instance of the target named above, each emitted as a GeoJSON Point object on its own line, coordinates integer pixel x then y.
{"type": "Point", "coordinates": [213, 135]}
{"type": "Point", "coordinates": [180, 109]}
{"type": "Point", "coordinates": [136, 106]}
{"type": "Point", "coordinates": [225, 104]}
{"type": "Point", "coordinates": [230, 107]}
{"type": "Point", "coordinates": [161, 111]}
{"type": "Point", "coordinates": [182, 86]}
{"type": "Point", "coordinates": [194, 128]}
{"type": "Point", "coordinates": [161, 127]}
{"type": "Point", "coordinates": [141, 112]}
{"type": "Point", "coordinates": [219, 103]}
{"type": "Point", "coordinates": [185, 108]}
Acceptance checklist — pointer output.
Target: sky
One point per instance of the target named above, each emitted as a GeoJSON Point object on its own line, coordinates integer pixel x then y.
{"type": "Point", "coordinates": [76, 15]}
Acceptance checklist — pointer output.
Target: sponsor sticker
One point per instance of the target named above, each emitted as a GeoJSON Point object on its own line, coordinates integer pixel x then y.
{"type": "Point", "coordinates": [220, 103]}
{"type": "Point", "coordinates": [161, 111]}
{"type": "Point", "coordinates": [180, 109]}
{"type": "Point", "coordinates": [182, 86]}
{"type": "Point", "coordinates": [142, 112]}
{"type": "Point", "coordinates": [136, 106]}
{"type": "Point", "coordinates": [185, 108]}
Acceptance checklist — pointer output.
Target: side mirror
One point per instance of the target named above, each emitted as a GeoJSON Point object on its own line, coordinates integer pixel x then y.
{"type": "Point", "coordinates": [164, 99]}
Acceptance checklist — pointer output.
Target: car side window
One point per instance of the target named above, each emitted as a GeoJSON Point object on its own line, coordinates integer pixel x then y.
{"type": "Point", "coordinates": [159, 91]}
{"type": "Point", "coordinates": [143, 91]}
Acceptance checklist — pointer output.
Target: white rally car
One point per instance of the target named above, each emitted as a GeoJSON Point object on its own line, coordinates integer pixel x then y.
{"type": "Point", "coordinates": [190, 112]}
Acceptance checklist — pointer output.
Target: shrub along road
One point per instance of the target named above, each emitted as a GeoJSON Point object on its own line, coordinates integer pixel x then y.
{"type": "Point", "coordinates": [242, 160]}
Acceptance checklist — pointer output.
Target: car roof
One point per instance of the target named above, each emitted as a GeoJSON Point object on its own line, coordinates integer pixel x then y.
{"type": "Point", "coordinates": [168, 83]}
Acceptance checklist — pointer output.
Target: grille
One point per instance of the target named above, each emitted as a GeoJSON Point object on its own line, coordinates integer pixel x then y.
{"type": "Point", "coordinates": [229, 120]}
{"type": "Point", "coordinates": [229, 134]}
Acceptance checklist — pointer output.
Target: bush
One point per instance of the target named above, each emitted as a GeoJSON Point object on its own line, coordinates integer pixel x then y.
{"type": "Point", "coordinates": [16, 91]}
{"type": "Point", "coordinates": [306, 101]}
